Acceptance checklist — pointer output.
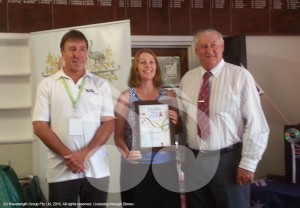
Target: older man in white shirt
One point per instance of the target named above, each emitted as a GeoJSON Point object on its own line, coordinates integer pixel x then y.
{"type": "Point", "coordinates": [225, 163]}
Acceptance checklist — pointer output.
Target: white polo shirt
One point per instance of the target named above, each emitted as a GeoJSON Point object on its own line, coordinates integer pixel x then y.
{"type": "Point", "coordinates": [54, 105]}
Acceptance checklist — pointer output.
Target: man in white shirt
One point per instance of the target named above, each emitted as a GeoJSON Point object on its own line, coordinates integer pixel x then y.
{"type": "Point", "coordinates": [74, 117]}
{"type": "Point", "coordinates": [220, 168]}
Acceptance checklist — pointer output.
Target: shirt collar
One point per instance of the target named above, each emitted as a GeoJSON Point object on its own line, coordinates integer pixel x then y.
{"type": "Point", "coordinates": [216, 70]}
{"type": "Point", "coordinates": [61, 74]}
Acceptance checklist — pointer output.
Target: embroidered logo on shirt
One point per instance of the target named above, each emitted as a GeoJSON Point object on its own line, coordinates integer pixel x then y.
{"type": "Point", "coordinates": [89, 90]}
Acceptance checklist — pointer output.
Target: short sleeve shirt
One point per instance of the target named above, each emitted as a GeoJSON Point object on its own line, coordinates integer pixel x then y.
{"type": "Point", "coordinates": [54, 105]}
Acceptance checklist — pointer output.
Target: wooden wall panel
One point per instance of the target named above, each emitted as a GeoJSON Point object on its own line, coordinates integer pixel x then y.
{"type": "Point", "coordinates": [220, 16]}
{"type": "Point", "coordinates": [119, 10]}
{"type": "Point", "coordinates": [28, 17]}
{"type": "Point", "coordinates": [159, 17]}
{"type": "Point", "coordinates": [250, 17]}
{"type": "Point", "coordinates": [200, 15]}
{"type": "Point", "coordinates": [156, 17]}
{"type": "Point", "coordinates": [285, 17]}
{"type": "Point", "coordinates": [179, 17]}
{"type": "Point", "coordinates": [137, 12]}
{"type": "Point", "coordinates": [81, 13]}
{"type": "Point", "coordinates": [3, 17]}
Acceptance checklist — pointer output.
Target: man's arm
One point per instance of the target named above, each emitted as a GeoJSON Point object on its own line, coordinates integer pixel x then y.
{"type": "Point", "coordinates": [49, 138]}
{"type": "Point", "coordinates": [256, 133]}
{"type": "Point", "coordinates": [102, 135]}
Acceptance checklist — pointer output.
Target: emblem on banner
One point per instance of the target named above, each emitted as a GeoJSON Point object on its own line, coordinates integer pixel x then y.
{"type": "Point", "coordinates": [101, 63]}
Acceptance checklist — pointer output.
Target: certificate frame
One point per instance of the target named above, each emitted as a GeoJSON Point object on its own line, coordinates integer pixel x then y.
{"type": "Point", "coordinates": [154, 127]}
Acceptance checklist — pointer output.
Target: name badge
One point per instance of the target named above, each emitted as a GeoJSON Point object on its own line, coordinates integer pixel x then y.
{"type": "Point", "coordinates": [76, 126]}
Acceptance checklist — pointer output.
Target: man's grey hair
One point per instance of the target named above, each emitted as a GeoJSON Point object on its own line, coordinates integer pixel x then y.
{"type": "Point", "coordinates": [205, 32]}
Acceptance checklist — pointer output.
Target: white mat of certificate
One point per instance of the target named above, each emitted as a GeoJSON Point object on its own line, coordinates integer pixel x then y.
{"type": "Point", "coordinates": [154, 125]}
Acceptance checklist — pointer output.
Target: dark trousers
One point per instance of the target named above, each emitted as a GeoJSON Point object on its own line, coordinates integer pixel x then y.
{"type": "Point", "coordinates": [211, 181]}
{"type": "Point", "coordinates": [91, 192]}
{"type": "Point", "coordinates": [150, 185]}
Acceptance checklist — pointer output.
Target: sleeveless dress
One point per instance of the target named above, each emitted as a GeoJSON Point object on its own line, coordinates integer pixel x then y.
{"type": "Point", "coordinates": [153, 182]}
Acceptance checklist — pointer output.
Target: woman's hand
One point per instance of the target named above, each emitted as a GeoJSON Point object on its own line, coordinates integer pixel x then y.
{"type": "Point", "coordinates": [134, 156]}
{"type": "Point", "coordinates": [173, 116]}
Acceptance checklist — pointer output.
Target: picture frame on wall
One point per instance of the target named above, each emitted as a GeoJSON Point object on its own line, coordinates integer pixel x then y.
{"type": "Point", "coordinates": [170, 70]}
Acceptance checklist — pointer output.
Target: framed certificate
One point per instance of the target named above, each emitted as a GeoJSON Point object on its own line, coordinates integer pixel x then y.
{"type": "Point", "coordinates": [155, 130]}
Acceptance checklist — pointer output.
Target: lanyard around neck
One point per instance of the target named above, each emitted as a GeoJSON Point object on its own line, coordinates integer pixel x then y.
{"type": "Point", "coordinates": [74, 102]}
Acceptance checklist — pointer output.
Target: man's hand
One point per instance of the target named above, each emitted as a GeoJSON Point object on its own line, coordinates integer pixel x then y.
{"type": "Point", "coordinates": [76, 161]}
{"type": "Point", "coordinates": [244, 176]}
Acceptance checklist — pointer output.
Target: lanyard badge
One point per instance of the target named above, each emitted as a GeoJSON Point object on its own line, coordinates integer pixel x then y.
{"type": "Point", "coordinates": [76, 122]}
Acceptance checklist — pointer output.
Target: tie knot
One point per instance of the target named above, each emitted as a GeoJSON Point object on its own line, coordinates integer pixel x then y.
{"type": "Point", "coordinates": [207, 75]}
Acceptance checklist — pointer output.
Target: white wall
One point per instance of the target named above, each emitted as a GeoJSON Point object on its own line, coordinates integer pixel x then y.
{"type": "Point", "coordinates": [15, 103]}
{"type": "Point", "coordinates": [274, 62]}
{"type": "Point", "coordinates": [18, 156]}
